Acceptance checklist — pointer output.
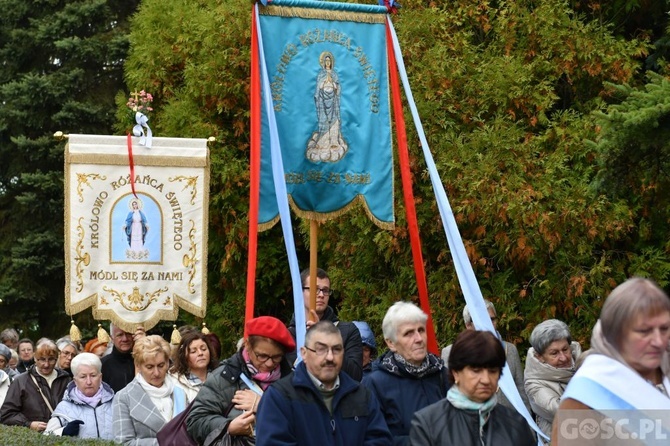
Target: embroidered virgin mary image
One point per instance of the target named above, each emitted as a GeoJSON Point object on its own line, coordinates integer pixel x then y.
{"type": "Point", "coordinates": [327, 144]}
{"type": "Point", "coordinates": [136, 228]}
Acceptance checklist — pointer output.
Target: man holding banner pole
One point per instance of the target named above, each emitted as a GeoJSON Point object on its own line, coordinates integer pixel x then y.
{"type": "Point", "coordinates": [353, 345]}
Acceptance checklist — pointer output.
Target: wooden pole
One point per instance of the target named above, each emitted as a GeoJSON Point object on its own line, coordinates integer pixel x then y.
{"type": "Point", "coordinates": [313, 244]}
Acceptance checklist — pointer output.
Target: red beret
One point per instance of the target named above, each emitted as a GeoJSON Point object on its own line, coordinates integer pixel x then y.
{"type": "Point", "coordinates": [272, 328]}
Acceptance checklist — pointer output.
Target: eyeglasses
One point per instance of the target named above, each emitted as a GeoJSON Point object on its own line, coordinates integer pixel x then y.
{"type": "Point", "coordinates": [68, 354]}
{"type": "Point", "coordinates": [325, 291]}
{"type": "Point", "coordinates": [49, 360]}
{"type": "Point", "coordinates": [262, 357]}
{"type": "Point", "coordinates": [323, 349]}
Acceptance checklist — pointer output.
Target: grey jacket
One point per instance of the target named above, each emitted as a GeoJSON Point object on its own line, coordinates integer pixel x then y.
{"type": "Point", "coordinates": [136, 418]}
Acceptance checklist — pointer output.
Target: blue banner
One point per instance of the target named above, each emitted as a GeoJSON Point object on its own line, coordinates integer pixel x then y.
{"type": "Point", "coordinates": [328, 72]}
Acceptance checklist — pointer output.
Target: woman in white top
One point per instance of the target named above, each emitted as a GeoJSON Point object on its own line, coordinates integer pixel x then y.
{"type": "Point", "coordinates": [150, 400]}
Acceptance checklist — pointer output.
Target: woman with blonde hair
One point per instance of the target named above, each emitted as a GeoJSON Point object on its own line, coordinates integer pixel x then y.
{"type": "Point", "coordinates": [151, 399]}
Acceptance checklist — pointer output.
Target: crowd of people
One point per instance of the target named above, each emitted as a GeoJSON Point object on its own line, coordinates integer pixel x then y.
{"type": "Point", "coordinates": [271, 393]}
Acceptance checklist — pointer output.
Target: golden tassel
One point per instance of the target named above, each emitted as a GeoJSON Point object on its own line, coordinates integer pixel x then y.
{"type": "Point", "coordinates": [175, 339]}
{"type": "Point", "coordinates": [205, 330]}
{"type": "Point", "coordinates": [103, 336]}
{"type": "Point", "coordinates": [75, 334]}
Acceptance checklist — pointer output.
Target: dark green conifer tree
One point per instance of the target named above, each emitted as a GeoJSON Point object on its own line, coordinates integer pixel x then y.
{"type": "Point", "coordinates": [61, 64]}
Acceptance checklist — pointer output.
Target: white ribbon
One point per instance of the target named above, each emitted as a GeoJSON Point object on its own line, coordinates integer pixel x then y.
{"type": "Point", "coordinates": [142, 122]}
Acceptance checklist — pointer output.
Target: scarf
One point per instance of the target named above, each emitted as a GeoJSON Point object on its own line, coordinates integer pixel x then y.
{"type": "Point", "coordinates": [160, 396]}
{"type": "Point", "coordinates": [395, 363]}
{"type": "Point", "coordinates": [93, 400]}
{"type": "Point", "coordinates": [264, 379]}
{"type": "Point", "coordinates": [602, 346]}
{"type": "Point", "coordinates": [606, 382]}
{"type": "Point", "coordinates": [460, 401]}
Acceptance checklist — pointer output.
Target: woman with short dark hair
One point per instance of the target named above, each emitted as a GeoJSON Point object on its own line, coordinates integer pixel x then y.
{"type": "Point", "coordinates": [470, 414]}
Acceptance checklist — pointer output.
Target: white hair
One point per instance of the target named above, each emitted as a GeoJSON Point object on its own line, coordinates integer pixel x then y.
{"type": "Point", "coordinates": [401, 313]}
{"type": "Point", "coordinates": [85, 359]}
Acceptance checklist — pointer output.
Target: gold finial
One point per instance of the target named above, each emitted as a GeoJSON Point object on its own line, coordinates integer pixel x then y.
{"type": "Point", "coordinates": [59, 136]}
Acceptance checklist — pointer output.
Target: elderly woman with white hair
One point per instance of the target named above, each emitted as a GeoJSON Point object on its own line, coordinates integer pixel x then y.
{"type": "Point", "coordinates": [86, 408]}
{"type": "Point", "coordinates": [406, 378]}
{"type": "Point", "coordinates": [550, 364]}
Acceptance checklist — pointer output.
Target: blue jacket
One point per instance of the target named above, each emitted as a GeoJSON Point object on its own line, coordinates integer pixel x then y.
{"type": "Point", "coordinates": [400, 394]}
{"type": "Point", "coordinates": [292, 412]}
{"type": "Point", "coordinates": [97, 420]}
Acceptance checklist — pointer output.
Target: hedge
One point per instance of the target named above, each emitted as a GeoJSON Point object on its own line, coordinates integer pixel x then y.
{"type": "Point", "coordinates": [22, 436]}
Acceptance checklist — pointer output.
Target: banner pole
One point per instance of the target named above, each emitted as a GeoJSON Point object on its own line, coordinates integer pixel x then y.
{"type": "Point", "coordinates": [313, 257]}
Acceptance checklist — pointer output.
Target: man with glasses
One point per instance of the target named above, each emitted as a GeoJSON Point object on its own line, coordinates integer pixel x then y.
{"type": "Point", "coordinates": [353, 345]}
{"type": "Point", "coordinates": [318, 405]}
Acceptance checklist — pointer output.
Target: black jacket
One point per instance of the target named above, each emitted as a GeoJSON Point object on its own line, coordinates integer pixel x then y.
{"type": "Point", "coordinates": [442, 424]}
{"type": "Point", "coordinates": [118, 369]}
{"type": "Point", "coordinates": [351, 338]}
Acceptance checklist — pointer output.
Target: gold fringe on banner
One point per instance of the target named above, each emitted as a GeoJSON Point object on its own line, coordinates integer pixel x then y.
{"type": "Point", "coordinates": [325, 14]}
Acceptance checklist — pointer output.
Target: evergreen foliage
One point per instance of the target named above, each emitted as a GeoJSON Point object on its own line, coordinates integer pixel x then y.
{"type": "Point", "coordinates": [62, 64]}
{"type": "Point", "coordinates": [506, 91]}
{"type": "Point", "coordinates": [531, 110]}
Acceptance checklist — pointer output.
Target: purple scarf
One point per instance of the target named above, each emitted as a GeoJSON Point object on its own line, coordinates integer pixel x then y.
{"type": "Point", "coordinates": [92, 401]}
{"type": "Point", "coordinates": [264, 379]}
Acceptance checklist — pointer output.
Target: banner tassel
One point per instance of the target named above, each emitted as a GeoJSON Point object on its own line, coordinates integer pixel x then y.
{"type": "Point", "coordinates": [175, 339]}
{"type": "Point", "coordinates": [75, 334]}
{"type": "Point", "coordinates": [103, 336]}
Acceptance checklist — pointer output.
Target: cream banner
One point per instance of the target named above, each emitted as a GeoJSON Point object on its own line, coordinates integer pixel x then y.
{"type": "Point", "coordinates": [136, 259]}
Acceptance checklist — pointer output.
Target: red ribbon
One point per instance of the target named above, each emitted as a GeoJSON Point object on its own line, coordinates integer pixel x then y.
{"type": "Point", "coordinates": [254, 171]}
{"type": "Point", "coordinates": [408, 195]}
{"type": "Point", "coordinates": [131, 164]}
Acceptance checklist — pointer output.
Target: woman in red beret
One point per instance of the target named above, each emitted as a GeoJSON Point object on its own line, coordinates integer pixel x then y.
{"type": "Point", "coordinates": [229, 398]}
